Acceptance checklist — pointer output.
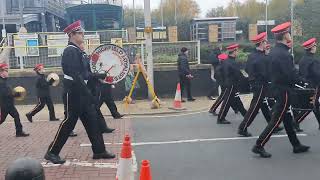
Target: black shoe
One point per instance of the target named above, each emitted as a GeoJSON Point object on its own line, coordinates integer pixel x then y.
{"type": "Point", "coordinates": [278, 129]}
{"type": "Point", "coordinates": [183, 100]}
{"type": "Point", "coordinates": [55, 159]}
{"type": "Point", "coordinates": [104, 155]}
{"type": "Point", "coordinates": [191, 99]}
{"type": "Point", "coordinates": [211, 98]}
{"type": "Point", "coordinates": [54, 119]}
{"type": "Point", "coordinates": [223, 122]}
{"type": "Point", "coordinates": [108, 130]}
{"type": "Point", "coordinates": [236, 112]}
{"type": "Point", "coordinates": [260, 150]}
{"type": "Point", "coordinates": [215, 114]}
{"type": "Point", "coordinates": [22, 134]}
{"type": "Point", "coordinates": [300, 149]}
{"type": "Point", "coordinates": [119, 116]}
{"type": "Point", "coordinates": [73, 134]}
{"type": "Point", "coordinates": [29, 117]}
{"type": "Point", "coordinates": [244, 133]}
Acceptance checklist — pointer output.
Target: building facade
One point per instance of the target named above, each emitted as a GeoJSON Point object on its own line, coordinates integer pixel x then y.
{"type": "Point", "coordinates": [35, 15]}
{"type": "Point", "coordinates": [224, 29]}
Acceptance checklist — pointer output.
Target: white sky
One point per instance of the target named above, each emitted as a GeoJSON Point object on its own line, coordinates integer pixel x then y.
{"type": "Point", "coordinates": [205, 5]}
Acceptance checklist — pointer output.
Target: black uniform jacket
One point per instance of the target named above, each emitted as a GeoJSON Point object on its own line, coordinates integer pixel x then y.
{"type": "Point", "coordinates": [6, 95]}
{"type": "Point", "coordinates": [43, 86]}
{"type": "Point", "coordinates": [281, 68]}
{"type": "Point", "coordinates": [256, 67]}
{"type": "Point", "coordinates": [231, 72]}
{"type": "Point", "coordinates": [309, 69]}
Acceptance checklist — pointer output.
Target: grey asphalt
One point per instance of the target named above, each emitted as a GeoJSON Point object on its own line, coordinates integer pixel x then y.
{"type": "Point", "coordinates": [222, 160]}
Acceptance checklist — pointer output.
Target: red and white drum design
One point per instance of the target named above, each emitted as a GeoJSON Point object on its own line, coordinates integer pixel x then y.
{"type": "Point", "coordinates": [112, 60]}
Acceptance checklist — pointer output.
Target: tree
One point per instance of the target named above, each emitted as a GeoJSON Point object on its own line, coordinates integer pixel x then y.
{"type": "Point", "coordinates": [128, 16]}
{"type": "Point", "coordinates": [186, 10]}
{"type": "Point", "coordinates": [216, 12]}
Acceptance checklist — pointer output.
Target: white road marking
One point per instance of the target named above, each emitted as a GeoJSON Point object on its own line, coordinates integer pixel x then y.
{"type": "Point", "coordinates": [127, 116]}
{"type": "Point", "coordinates": [76, 162]}
{"type": "Point", "coordinates": [134, 161]}
{"type": "Point", "coordinates": [192, 140]}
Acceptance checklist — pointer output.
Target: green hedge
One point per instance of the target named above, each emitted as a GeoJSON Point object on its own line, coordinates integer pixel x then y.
{"type": "Point", "coordinates": [246, 48]}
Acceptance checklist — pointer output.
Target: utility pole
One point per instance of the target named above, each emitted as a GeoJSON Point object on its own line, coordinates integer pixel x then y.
{"type": "Point", "coordinates": [3, 9]}
{"type": "Point", "coordinates": [21, 5]}
{"type": "Point", "coordinates": [175, 12]}
{"type": "Point", "coordinates": [134, 15]}
{"type": "Point", "coordinates": [148, 37]}
{"type": "Point", "coordinates": [292, 27]}
{"type": "Point", "coordinates": [267, 18]}
{"type": "Point", "coordinates": [161, 5]}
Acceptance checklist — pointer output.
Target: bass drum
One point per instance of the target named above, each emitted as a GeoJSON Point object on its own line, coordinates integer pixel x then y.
{"type": "Point", "coordinates": [302, 99]}
{"type": "Point", "coordinates": [111, 60]}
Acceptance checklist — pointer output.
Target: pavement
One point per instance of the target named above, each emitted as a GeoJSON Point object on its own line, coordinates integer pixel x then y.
{"type": "Point", "coordinates": [80, 165]}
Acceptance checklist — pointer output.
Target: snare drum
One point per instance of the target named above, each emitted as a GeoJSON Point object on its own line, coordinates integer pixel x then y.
{"type": "Point", "coordinates": [302, 99]}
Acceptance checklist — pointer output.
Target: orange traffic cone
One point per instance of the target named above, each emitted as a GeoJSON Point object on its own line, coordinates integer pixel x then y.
{"type": "Point", "coordinates": [145, 172]}
{"type": "Point", "coordinates": [125, 166]}
{"type": "Point", "coordinates": [177, 105]}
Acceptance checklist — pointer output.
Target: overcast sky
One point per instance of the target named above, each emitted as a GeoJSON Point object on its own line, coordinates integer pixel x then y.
{"type": "Point", "coordinates": [205, 5]}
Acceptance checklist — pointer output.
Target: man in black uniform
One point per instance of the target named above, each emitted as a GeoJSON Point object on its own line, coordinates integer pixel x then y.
{"type": "Point", "coordinates": [7, 102]}
{"type": "Point", "coordinates": [80, 101]}
{"type": "Point", "coordinates": [93, 85]}
{"type": "Point", "coordinates": [283, 78]}
{"type": "Point", "coordinates": [43, 93]}
{"type": "Point", "coordinates": [219, 77]}
{"type": "Point", "coordinates": [309, 69]}
{"type": "Point", "coordinates": [105, 96]}
{"type": "Point", "coordinates": [256, 68]}
{"type": "Point", "coordinates": [185, 75]}
{"type": "Point", "coordinates": [232, 76]}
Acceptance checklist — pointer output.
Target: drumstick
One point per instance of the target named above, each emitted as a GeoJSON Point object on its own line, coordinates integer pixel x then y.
{"type": "Point", "coordinates": [109, 69]}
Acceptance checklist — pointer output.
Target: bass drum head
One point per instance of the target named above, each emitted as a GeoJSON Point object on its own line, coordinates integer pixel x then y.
{"type": "Point", "coordinates": [111, 60]}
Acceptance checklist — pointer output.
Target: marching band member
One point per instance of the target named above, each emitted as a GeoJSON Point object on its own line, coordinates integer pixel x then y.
{"type": "Point", "coordinates": [283, 78]}
{"type": "Point", "coordinates": [232, 76]}
{"type": "Point", "coordinates": [219, 79]}
{"type": "Point", "coordinates": [309, 69]}
{"type": "Point", "coordinates": [256, 68]}
{"type": "Point", "coordinates": [7, 101]}
{"type": "Point", "coordinates": [80, 101]}
{"type": "Point", "coordinates": [43, 93]}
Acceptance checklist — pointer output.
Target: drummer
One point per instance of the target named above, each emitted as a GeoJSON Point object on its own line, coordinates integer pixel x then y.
{"type": "Point", "coordinates": [309, 67]}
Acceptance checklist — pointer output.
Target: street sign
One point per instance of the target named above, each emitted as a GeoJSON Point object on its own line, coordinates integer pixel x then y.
{"type": "Point", "coordinates": [263, 23]}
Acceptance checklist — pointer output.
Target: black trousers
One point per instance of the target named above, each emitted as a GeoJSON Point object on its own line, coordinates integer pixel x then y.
{"type": "Point", "coordinates": [106, 97]}
{"type": "Point", "coordinates": [219, 100]}
{"type": "Point", "coordinates": [300, 116]}
{"type": "Point", "coordinates": [280, 113]}
{"type": "Point", "coordinates": [256, 104]}
{"type": "Point", "coordinates": [229, 99]}
{"type": "Point", "coordinates": [42, 101]}
{"type": "Point", "coordinates": [4, 111]}
{"type": "Point", "coordinates": [185, 83]}
{"type": "Point", "coordinates": [100, 118]}
{"type": "Point", "coordinates": [81, 107]}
